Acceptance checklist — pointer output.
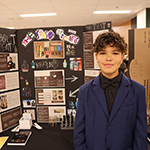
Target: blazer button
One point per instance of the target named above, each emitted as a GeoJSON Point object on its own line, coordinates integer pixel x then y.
{"type": "Point", "coordinates": [109, 127]}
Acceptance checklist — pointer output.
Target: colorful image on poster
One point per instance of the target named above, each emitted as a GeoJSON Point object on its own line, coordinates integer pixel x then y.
{"type": "Point", "coordinates": [29, 103]}
{"type": "Point", "coordinates": [2, 82]}
{"type": "Point", "coordinates": [26, 91]}
{"type": "Point", "coordinates": [76, 64]}
{"type": "Point", "coordinates": [57, 111]}
{"type": "Point", "coordinates": [70, 50]}
{"type": "Point", "coordinates": [24, 66]}
{"type": "Point", "coordinates": [3, 101]}
{"type": "Point", "coordinates": [48, 49]}
{"type": "Point", "coordinates": [8, 61]}
{"type": "Point", "coordinates": [9, 100]}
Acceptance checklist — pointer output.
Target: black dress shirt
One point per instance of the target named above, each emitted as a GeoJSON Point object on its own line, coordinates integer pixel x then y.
{"type": "Point", "coordinates": [110, 87]}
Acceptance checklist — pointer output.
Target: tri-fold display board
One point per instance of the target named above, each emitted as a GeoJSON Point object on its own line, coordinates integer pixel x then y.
{"type": "Point", "coordinates": [43, 68]}
{"type": "Point", "coordinates": [10, 101]}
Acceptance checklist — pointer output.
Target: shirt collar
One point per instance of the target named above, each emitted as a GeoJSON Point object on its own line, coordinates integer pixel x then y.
{"type": "Point", "coordinates": [115, 82]}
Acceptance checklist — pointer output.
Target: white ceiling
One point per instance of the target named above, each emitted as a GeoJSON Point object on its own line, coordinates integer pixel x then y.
{"type": "Point", "coordinates": [69, 12]}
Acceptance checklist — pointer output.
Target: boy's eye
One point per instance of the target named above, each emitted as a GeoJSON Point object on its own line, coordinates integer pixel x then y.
{"type": "Point", "coordinates": [115, 53]}
{"type": "Point", "coordinates": [102, 53]}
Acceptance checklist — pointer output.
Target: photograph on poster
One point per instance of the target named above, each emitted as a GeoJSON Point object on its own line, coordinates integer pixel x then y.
{"type": "Point", "coordinates": [70, 50]}
{"type": "Point", "coordinates": [32, 111]}
{"type": "Point", "coordinates": [8, 61]}
{"type": "Point", "coordinates": [9, 100]}
{"type": "Point", "coordinates": [47, 114]}
{"type": "Point", "coordinates": [90, 74]}
{"type": "Point", "coordinates": [29, 103]}
{"type": "Point", "coordinates": [49, 78]}
{"type": "Point", "coordinates": [50, 96]}
{"type": "Point", "coordinates": [76, 64]}
{"type": "Point", "coordinates": [48, 49]}
{"type": "Point", "coordinates": [9, 81]}
{"type": "Point", "coordinates": [57, 111]}
{"type": "Point", "coordinates": [2, 82]}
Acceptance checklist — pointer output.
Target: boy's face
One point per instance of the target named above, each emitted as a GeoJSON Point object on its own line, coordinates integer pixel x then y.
{"type": "Point", "coordinates": [109, 61]}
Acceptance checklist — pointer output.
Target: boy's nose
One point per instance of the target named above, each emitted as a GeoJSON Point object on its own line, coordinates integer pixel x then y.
{"type": "Point", "coordinates": [108, 58]}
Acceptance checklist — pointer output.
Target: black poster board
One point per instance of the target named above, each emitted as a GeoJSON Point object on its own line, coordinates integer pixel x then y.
{"type": "Point", "coordinates": [43, 54]}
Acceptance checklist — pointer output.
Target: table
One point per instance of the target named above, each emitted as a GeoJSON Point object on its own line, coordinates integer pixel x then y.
{"type": "Point", "coordinates": [49, 138]}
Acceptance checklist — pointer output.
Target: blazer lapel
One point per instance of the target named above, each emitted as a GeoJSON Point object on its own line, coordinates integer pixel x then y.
{"type": "Point", "coordinates": [100, 95]}
{"type": "Point", "coordinates": [120, 96]}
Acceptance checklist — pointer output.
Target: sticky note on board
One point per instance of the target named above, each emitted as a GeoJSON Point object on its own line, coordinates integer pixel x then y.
{"type": "Point", "coordinates": [52, 48]}
{"type": "Point", "coordinates": [46, 44]}
{"type": "Point", "coordinates": [55, 48]}
{"type": "Point", "coordinates": [58, 48]}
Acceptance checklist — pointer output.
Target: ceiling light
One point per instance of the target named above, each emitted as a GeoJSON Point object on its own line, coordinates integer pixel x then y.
{"type": "Point", "coordinates": [38, 15]}
{"type": "Point", "coordinates": [112, 12]}
{"type": "Point", "coordinates": [10, 28]}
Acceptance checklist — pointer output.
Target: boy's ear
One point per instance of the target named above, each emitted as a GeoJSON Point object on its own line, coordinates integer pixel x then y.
{"type": "Point", "coordinates": [96, 56]}
{"type": "Point", "coordinates": [122, 57]}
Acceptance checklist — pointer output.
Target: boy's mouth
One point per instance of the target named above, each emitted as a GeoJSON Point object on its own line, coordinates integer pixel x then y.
{"type": "Point", "coordinates": [108, 65]}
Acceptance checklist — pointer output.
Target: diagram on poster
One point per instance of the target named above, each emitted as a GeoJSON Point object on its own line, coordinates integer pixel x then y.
{"type": "Point", "coordinates": [49, 78]}
{"type": "Point", "coordinates": [48, 49]}
{"type": "Point", "coordinates": [9, 100]}
{"type": "Point", "coordinates": [8, 61]}
{"type": "Point", "coordinates": [9, 81]}
{"type": "Point", "coordinates": [50, 96]}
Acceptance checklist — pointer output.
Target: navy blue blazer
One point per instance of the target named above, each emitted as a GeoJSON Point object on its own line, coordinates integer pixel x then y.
{"type": "Point", "coordinates": [124, 129]}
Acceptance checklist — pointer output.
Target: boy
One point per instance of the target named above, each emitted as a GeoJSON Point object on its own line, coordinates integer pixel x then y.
{"type": "Point", "coordinates": [10, 63]}
{"type": "Point", "coordinates": [111, 112]}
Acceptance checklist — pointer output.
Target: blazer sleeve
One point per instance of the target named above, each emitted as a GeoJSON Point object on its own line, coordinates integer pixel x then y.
{"type": "Point", "coordinates": [140, 136]}
{"type": "Point", "coordinates": [79, 128]}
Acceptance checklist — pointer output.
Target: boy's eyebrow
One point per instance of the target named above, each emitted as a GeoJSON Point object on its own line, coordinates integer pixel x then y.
{"type": "Point", "coordinates": [116, 50]}
{"type": "Point", "coordinates": [102, 50]}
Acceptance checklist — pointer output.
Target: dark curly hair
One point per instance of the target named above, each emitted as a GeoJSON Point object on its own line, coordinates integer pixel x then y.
{"type": "Point", "coordinates": [110, 38]}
